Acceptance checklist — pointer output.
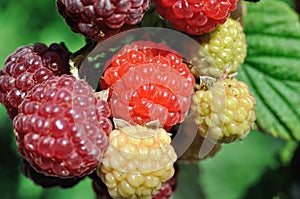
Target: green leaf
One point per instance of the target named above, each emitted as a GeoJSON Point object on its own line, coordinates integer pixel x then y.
{"type": "Point", "coordinates": [290, 2]}
{"type": "Point", "coordinates": [27, 189]}
{"type": "Point", "coordinates": [238, 166]}
{"type": "Point", "coordinates": [287, 152]}
{"type": "Point", "coordinates": [40, 23]}
{"type": "Point", "coordinates": [188, 174]}
{"type": "Point", "coordinates": [3, 114]}
{"type": "Point", "coordinates": [9, 163]}
{"type": "Point", "coordinates": [272, 67]}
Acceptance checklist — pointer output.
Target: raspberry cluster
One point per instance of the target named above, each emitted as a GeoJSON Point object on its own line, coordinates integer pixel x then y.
{"type": "Point", "coordinates": [121, 135]}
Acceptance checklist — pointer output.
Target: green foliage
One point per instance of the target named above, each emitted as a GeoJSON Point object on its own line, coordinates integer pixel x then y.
{"type": "Point", "coordinates": [290, 2]}
{"type": "Point", "coordinates": [231, 171]}
{"type": "Point", "coordinates": [9, 163]}
{"type": "Point", "coordinates": [27, 189]}
{"type": "Point", "coordinates": [238, 165]}
{"type": "Point", "coordinates": [287, 152]}
{"type": "Point", "coordinates": [188, 182]}
{"type": "Point", "coordinates": [272, 67]}
{"type": "Point", "coordinates": [24, 22]}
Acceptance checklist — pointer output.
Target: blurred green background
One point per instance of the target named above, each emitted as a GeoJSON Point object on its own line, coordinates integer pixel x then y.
{"type": "Point", "coordinates": [258, 167]}
{"type": "Point", "coordinates": [25, 22]}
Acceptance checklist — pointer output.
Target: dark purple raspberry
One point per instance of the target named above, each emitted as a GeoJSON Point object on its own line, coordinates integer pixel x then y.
{"type": "Point", "coordinates": [28, 66]}
{"type": "Point", "coordinates": [47, 181]}
{"type": "Point", "coordinates": [62, 128]}
{"type": "Point", "coordinates": [98, 19]}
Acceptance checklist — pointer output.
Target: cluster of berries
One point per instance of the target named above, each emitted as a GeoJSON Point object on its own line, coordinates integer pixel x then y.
{"type": "Point", "coordinates": [121, 134]}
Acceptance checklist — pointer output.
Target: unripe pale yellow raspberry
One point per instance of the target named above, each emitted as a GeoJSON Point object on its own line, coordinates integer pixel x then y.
{"type": "Point", "coordinates": [223, 49]}
{"type": "Point", "coordinates": [137, 162]}
{"type": "Point", "coordinates": [225, 112]}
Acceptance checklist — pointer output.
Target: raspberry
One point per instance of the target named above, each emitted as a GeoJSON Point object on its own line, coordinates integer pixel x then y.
{"type": "Point", "coordinates": [28, 66]}
{"type": "Point", "coordinates": [98, 19]}
{"type": "Point", "coordinates": [47, 181]}
{"type": "Point", "coordinates": [195, 17]}
{"type": "Point", "coordinates": [225, 112]}
{"type": "Point", "coordinates": [138, 161]}
{"type": "Point", "coordinates": [226, 47]}
{"type": "Point", "coordinates": [62, 128]}
{"type": "Point", "coordinates": [165, 192]}
{"type": "Point", "coordinates": [148, 82]}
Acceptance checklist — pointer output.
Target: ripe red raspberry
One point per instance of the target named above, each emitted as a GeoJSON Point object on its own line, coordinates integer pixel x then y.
{"type": "Point", "coordinates": [148, 82]}
{"type": "Point", "coordinates": [62, 128]}
{"type": "Point", "coordinates": [101, 18]}
{"type": "Point", "coordinates": [28, 66]}
{"type": "Point", "coordinates": [195, 17]}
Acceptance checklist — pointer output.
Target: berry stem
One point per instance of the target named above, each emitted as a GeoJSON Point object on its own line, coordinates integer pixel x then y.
{"type": "Point", "coordinates": [239, 12]}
